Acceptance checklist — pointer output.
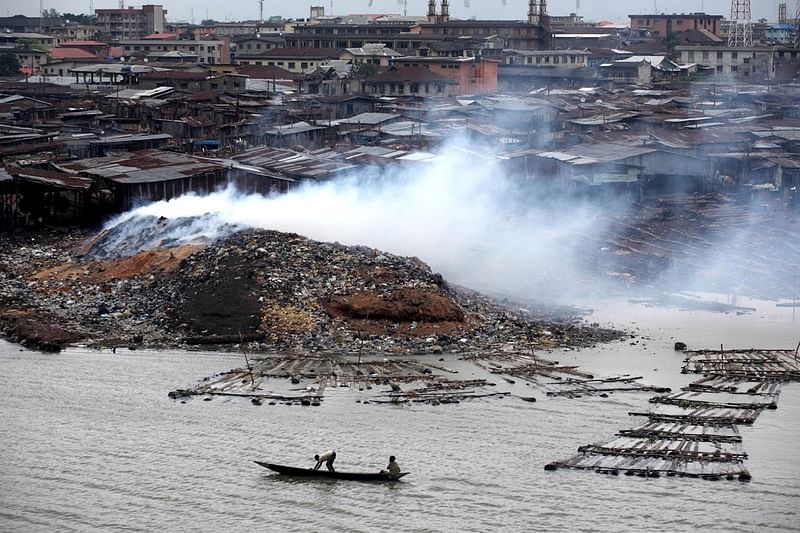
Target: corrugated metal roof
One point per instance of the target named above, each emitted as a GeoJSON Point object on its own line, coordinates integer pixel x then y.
{"type": "Point", "coordinates": [144, 166]}
{"type": "Point", "coordinates": [291, 163]}
{"type": "Point", "coordinates": [61, 180]}
{"type": "Point", "coordinates": [369, 119]}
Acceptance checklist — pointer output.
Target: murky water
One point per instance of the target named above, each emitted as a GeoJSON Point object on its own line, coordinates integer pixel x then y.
{"type": "Point", "coordinates": [89, 441]}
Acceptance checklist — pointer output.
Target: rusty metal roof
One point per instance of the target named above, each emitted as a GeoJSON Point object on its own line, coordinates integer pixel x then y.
{"type": "Point", "coordinates": [60, 180]}
{"type": "Point", "coordinates": [290, 163]}
{"type": "Point", "coordinates": [144, 166]}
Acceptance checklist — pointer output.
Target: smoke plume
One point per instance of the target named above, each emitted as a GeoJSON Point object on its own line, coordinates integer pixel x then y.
{"type": "Point", "coordinates": [462, 215]}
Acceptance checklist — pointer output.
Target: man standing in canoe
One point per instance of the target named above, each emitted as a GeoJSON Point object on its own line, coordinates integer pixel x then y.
{"type": "Point", "coordinates": [326, 457]}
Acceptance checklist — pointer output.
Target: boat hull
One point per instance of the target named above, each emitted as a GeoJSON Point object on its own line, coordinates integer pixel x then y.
{"type": "Point", "coordinates": [322, 473]}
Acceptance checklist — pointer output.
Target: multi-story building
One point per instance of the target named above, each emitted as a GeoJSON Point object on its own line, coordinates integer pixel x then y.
{"type": "Point", "coordinates": [207, 51]}
{"type": "Point", "coordinates": [530, 34]}
{"type": "Point", "coordinates": [131, 23]}
{"type": "Point", "coordinates": [473, 75]}
{"type": "Point", "coordinates": [74, 32]}
{"type": "Point", "coordinates": [665, 26]}
{"type": "Point", "coordinates": [295, 60]}
{"type": "Point", "coordinates": [23, 24]}
{"type": "Point", "coordinates": [730, 62]}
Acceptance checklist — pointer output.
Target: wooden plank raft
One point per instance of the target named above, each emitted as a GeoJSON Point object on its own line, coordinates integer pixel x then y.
{"type": "Point", "coordinates": [693, 432]}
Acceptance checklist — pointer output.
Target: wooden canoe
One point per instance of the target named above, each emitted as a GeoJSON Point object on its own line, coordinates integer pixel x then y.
{"type": "Point", "coordinates": [323, 473]}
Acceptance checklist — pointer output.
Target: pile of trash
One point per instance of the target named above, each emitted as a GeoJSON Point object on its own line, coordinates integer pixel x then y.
{"type": "Point", "coordinates": [275, 291]}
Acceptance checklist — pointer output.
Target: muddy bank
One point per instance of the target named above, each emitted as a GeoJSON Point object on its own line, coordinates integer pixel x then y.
{"type": "Point", "coordinates": [276, 291]}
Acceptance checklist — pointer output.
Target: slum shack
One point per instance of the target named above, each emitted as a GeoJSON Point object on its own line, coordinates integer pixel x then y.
{"type": "Point", "coordinates": [35, 196]}
{"type": "Point", "coordinates": [146, 176]}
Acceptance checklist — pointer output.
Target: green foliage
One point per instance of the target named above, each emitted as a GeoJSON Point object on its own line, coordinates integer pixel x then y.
{"type": "Point", "coordinates": [80, 18]}
{"type": "Point", "coordinates": [26, 43]}
{"type": "Point", "coordinates": [9, 65]}
{"type": "Point", "coordinates": [51, 13]}
{"type": "Point", "coordinates": [364, 71]}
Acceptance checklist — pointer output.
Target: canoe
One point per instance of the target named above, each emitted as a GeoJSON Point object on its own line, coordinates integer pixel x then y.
{"type": "Point", "coordinates": [323, 473]}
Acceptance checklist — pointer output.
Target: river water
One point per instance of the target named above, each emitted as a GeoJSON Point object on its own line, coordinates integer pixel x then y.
{"type": "Point", "coordinates": [91, 442]}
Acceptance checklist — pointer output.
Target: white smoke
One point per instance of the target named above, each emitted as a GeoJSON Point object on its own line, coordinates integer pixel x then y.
{"type": "Point", "coordinates": [460, 214]}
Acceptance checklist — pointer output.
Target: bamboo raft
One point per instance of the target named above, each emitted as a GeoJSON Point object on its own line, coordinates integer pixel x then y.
{"type": "Point", "coordinates": [693, 432]}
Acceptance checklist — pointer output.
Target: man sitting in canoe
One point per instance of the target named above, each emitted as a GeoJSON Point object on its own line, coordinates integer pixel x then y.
{"type": "Point", "coordinates": [393, 469]}
{"type": "Point", "coordinates": [325, 457]}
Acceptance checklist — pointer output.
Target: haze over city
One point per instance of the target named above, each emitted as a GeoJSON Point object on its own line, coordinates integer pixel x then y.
{"type": "Point", "coordinates": [492, 9]}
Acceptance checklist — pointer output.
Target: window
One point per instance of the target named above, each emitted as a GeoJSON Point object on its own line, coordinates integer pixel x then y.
{"type": "Point", "coordinates": [303, 66]}
{"type": "Point", "coordinates": [705, 55]}
{"type": "Point", "coordinates": [734, 68]}
{"type": "Point", "coordinates": [719, 55]}
{"type": "Point", "coordinates": [746, 60]}
{"type": "Point", "coordinates": [291, 64]}
{"type": "Point", "coordinates": [734, 55]}
{"type": "Point", "coordinates": [691, 56]}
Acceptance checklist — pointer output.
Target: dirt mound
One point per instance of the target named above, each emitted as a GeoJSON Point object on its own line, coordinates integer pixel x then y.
{"type": "Point", "coordinates": [403, 305]}
{"type": "Point", "coordinates": [277, 291]}
{"type": "Point", "coordinates": [35, 329]}
{"type": "Point", "coordinates": [148, 262]}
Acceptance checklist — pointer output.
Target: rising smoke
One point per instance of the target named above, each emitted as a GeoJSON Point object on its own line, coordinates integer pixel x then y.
{"type": "Point", "coordinates": [459, 213]}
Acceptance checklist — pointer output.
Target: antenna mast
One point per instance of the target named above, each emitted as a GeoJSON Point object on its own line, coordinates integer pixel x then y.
{"type": "Point", "coordinates": [740, 34]}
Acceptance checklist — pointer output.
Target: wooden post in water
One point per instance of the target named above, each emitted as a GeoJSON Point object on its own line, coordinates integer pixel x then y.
{"type": "Point", "coordinates": [247, 361]}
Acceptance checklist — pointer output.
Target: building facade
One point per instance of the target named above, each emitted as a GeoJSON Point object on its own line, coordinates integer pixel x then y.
{"type": "Point", "coordinates": [754, 62]}
{"type": "Point", "coordinates": [665, 26]}
{"type": "Point", "coordinates": [131, 23]}
{"type": "Point", "coordinates": [207, 52]}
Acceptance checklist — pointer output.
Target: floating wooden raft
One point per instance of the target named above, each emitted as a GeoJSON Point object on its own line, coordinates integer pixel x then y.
{"type": "Point", "coordinates": [688, 399]}
{"type": "Point", "coordinates": [700, 415]}
{"type": "Point", "coordinates": [675, 430]}
{"type": "Point", "coordinates": [565, 381]}
{"type": "Point", "coordinates": [735, 386]}
{"type": "Point", "coordinates": [783, 365]}
{"type": "Point", "coordinates": [654, 466]}
{"type": "Point", "coordinates": [331, 371]}
{"type": "Point", "coordinates": [693, 432]}
{"type": "Point", "coordinates": [688, 449]}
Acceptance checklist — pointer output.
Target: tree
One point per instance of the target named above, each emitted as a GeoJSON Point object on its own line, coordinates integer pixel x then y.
{"type": "Point", "coordinates": [51, 14]}
{"type": "Point", "coordinates": [9, 65]}
{"type": "Point", "coordinates": [80, 18]}
{"type": "Point", "coordinates": [364, 71]}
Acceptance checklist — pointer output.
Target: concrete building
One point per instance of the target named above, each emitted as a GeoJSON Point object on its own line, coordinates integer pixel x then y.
{"type": "Point", "coordinates": [292, 59]}
{"type": "Point", "coordinates": [549, 58]}
{"type": "Point", "coordinates": [473, 75]}
{"type": "Point", "coordinates": [754, 62]}
{"type": "Point", "coordinates": [209, 52]}
{"type": "Point", "coordinates": [665, 26]}
{"type": "Point", "coordinates": [75, 32]}
{"type": "Point", "coordinates": [410, 81]}
{"type": "Point", "coordinates": [131, 23]}
{"type": "Point", "coordinates": [371, 54]}
{"type": "Point", "coordinates": [530, 34]}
